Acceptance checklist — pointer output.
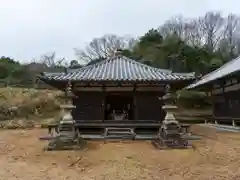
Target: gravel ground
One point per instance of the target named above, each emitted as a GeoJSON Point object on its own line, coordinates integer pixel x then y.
{"type": "Point", "coordinates": [216, 157]}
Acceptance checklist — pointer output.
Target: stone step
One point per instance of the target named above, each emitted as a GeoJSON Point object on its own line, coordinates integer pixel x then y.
{"type": "Point", "coordinates": [116, 128]}
{"type": "Point", "coordinates": [120, 132]}
{"type": "Point", "coordinates": [116, 137]}
{"type": "Point", "coordinates": [119, 136]}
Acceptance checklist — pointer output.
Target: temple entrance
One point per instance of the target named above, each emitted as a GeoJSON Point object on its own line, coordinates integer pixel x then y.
{"type": "Point", "coordinates": [118, 107]}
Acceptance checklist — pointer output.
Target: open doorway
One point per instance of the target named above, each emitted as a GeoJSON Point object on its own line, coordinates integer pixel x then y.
{"type": "Point", "coordinates": [119, 107]}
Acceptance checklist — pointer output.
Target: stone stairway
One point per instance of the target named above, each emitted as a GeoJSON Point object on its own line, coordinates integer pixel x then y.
{"type": "Point", "coordinates": [119, 133]}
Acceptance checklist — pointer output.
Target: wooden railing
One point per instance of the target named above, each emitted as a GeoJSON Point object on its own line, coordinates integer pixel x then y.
{"type": "Point", "coordinates": [223, 120]}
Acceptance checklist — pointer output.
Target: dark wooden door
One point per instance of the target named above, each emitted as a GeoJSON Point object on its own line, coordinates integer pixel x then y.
{"type": "Point", "coordinates": [89, 106]}
{"type": "Point", "coordinates": [149, 107]}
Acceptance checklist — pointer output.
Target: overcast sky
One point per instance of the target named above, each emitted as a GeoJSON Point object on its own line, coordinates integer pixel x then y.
{"type": "Point", "coordinates": [29, 28]}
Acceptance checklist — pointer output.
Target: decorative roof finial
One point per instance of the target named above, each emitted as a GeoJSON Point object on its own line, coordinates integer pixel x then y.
{"type": "Point", "coordinates": [65, 70]}
{"type": "Point", "coordinates": [118, 52]}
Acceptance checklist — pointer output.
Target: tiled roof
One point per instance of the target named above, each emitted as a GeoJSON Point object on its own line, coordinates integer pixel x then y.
{"type": "Point", "coordinates": [118, 68]}
{"type": "Point", "coordinates": [227, 69]}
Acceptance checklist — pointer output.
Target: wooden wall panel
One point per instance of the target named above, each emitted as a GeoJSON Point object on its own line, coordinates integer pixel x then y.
{"type": "Point", "coordinates": [88, 106]}
{"type": "Point", "coordinates": [227, 104]}
{"type": "Point", "coordinates": [149, 107]}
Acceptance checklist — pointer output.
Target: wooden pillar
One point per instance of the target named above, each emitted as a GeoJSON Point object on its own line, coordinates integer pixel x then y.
{"type": "Point", "coordinates": [217, 96]}
{"type": "Point", "coordinates": [103, 103]}
{"type": "Point", "coordinates": [135, 104]}
{"type": "Point", "coordinates": [210, 95]}
{"type": "Point", "coordinates": [226, 99]}
{"type": "Point", "coordinates": [161, 108]}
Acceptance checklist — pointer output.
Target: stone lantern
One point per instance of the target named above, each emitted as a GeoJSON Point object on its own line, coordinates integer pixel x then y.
{"type": "Point", "coordinates": [67, 107]}
{"type": "Point", "coordinates": [169, 106]}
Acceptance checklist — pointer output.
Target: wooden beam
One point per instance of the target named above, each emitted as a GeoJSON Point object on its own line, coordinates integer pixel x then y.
{"type": "Point", "coordinates": [119, 89]}
{"type": "Point", "coordinates": [104, 103]}
{"type": "Point", "coordinates": [112, 89]}
{"type": "Point", "coordinates": [150, 89]}
{"type": "Point", "coordinates": [233, 87]}
{"type": "Point", "coordinates": [93, 89]}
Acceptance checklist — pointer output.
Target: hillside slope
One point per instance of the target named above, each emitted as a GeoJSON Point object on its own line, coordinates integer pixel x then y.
{"type": "Point", "coordinates": [27, 103]}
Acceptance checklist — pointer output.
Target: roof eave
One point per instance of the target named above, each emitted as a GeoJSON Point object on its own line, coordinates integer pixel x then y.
{"type": "Point", "coordinates": [51, 80]}
{"type": "Point", "coordinates": [208, 84]}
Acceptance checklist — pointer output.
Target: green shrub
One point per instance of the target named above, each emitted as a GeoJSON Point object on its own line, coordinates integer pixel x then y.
{"type": "Point", "coordinates": [193, 99]}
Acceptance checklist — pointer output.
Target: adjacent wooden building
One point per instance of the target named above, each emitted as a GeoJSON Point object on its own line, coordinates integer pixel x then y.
{"type": "Point", "coordinates": [118, 92]}
{"type": "Point", "coordinates": [223, 85]}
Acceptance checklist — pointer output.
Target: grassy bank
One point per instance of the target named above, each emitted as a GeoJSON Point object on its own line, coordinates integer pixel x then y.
{"type": "Point", "coordinates": [26, 106]}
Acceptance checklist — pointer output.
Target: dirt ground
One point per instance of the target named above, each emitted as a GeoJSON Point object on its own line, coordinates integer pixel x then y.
{"type": "Point", "coordinates": [217, 156]}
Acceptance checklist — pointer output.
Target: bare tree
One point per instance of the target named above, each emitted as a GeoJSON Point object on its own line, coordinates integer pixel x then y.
{"type": "Point", "coordinates": [231, 34]}
{"type": "Point", "coordinates": [175, 25]}
{"type": "Point", "coordinates": [187, 29]}
{"type": "Point", "coordinates": [237, 49]}
{"type": "Point", "coordinates": [103, 47]}
{"type": "Point", "coordinates": [51, 61]}
{"type": "Point", "coordinates": [193, 32]}
{"type": "Point", "coordinates": [211, 26]}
